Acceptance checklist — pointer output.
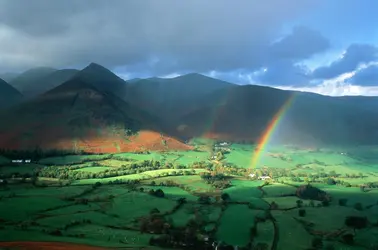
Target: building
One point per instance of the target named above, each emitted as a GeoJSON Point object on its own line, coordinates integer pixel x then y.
{"type": "Point", "coordinates": [264, 177]}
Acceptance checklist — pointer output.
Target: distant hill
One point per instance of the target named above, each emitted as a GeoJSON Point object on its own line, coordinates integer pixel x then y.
{"type": "Point", "coordinates": [77, 116]}
{"type": "Point", "coordinates": [8, 95]}
{"type": "Point", "coordinates": [103, 79]}
{"type": "Point", "coordinates": [8, 77]}
{"type": "Point", "coordinates": [47, 82]}
{"type": "Point", "coordinates": [169, 98]}
{"type": "Point", "coordinates": [242, 113]}
{"type": "Point", "coordinates": [30, 77]}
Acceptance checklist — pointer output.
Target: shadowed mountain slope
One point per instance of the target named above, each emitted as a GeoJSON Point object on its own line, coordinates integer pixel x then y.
{"type": "Point", "coordinates": [30, 78]}
{"type": "Point", "coordinates": [242, 113]}
{"type": "Point", "coordinates": [169, 98]}
{"type": "Point", "coordinates": [77, 116]}
{"type": "Point", "coordinates": [47, 82]}
{"type": "Point", "coordinates": [8, 95]}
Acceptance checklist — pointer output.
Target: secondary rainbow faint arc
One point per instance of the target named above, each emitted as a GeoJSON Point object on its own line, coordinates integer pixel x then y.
{"type": "Point", "coordinates": [273, 124]}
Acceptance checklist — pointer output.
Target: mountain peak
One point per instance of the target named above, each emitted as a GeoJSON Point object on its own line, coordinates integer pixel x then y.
{"type": "Point", "coordinates": [103, 79]}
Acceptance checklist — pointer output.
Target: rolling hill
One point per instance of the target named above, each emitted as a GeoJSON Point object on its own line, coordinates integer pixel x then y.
{"type": "Point", "coordinates": [30, 77]}
{"type": "Point", "coordinates": [242, 113]}
{"type": "Point", "coordinates": [169, 98]}
{"type": "Point", "coordinates": [78, 116]}
{"type": "Point", "coordinates": [44, 83]}
{"type": "Point", "coordinates": [8, 95]}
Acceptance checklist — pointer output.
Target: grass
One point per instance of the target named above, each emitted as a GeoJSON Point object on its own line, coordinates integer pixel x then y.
{"type": "Point", "coordinates": [71, 159]}
{"type": "Point", "coordinates": [291, 233]}
{"type": "Point", "coordinates": [22, 208]}
{"type": "Point", "coordinates": [92, 169]}
{"type": "Point", "coordinates": [135, 204]}
{"type": "Point", "coordinates": [20, 169]}
{"type": "Point", "coordinates": [141, 176]}
{"type": "Point", "coordinates": [233, 229]}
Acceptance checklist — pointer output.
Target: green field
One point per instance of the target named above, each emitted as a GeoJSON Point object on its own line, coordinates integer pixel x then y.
{"type": "Point", "coordinates": [85, 206]}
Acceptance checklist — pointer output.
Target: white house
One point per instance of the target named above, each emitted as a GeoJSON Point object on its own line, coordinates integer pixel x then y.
{"type": "Point", "coordinates": [252, 175]}
{"type": "Point", "coordinates": [264, 177]}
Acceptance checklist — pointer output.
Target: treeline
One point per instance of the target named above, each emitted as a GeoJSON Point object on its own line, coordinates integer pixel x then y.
{"type": "Point", "coordinates": [67, 173]}
{"type": "Point", "coordinates": [38, 153]}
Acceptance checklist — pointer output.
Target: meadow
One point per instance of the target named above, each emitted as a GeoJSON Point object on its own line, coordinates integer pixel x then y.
{"type": "Point", "coordinates": [138, 200]}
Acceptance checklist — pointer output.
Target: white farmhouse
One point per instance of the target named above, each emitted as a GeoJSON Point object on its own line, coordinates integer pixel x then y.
{"type": "Point", "coordinates": [252, 175]}
{"type": "Point", "coordinates": [264, 177]}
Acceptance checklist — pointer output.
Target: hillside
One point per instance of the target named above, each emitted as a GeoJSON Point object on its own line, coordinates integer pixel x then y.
{"type": "Point", "coordinates": [243, 113]}
{"type": "Point", "coordinates": [8, 77]}
{"type": "Point", "coordinates": [169, 98]}
{"type": "Point", "coordinates": [30, 78]}
{"type": "Point", "coordinates": [8, 95]}
{"type": "Point", "coordinates": [77, 116]}
{"type": "Point", "coordinates": [44, 83]}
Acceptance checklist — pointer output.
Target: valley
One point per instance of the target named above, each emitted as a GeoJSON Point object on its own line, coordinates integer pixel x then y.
{"type": "Point", "coordinates": [189, 200]}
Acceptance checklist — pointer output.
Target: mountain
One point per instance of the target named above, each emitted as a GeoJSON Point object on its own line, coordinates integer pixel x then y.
{"type": "Point", "coordinates": [78, 116]}
{"type": "Point", "coordinates": [103, 79]}
{"type": "Point", "coordinates": [30, 77]}
{"type": "Point", "coordinates": [8, 77]}
{"type": "Point", "coordinates": [169, 98]}
{"type": "Point", "coordinates": [47, 82]}
{"type": "Point", "coordinates": [8, 95]}
{"type": "Point", "coordinates": [243, 113]}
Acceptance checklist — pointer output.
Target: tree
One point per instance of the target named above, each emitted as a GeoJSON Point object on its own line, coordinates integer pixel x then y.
{"type": "Point", "coordinates": [302, 212]}
{"type": "Point", "coordinates": [331, 181]}
{"type": "Point", "coordinates": [317, 243]}
{"type": "Point", "coordinates": [356, 222]}
{"type": "Point", "coordinates": [225, 197]}
{"type": "Point", "coordinates": [299, 203]}
{"type": "Point", "coordinates": [358, 206]}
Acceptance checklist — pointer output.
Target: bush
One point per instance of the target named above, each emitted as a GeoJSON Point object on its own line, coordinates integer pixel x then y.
{"type": "Point", "coordinates": [343, 202]}
{"type": "Point", "coordinates": [302, 212]}
{"type": "Point", "coordinates": [317, 243]}
{"type": "Point", "coordinates": [225, 197]}
{"type": "Point", "coordinates": [331, 181]}
{"type": "Point", "coordinates": [356, 222]}
{"type": "Point", "coordinates": [358, 206]}
{"type": "Point", "coordinates": [348, 239]}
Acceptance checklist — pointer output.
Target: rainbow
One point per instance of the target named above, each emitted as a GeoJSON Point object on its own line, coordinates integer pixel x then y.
{"type": "Point", "coordinates": [264, 139]}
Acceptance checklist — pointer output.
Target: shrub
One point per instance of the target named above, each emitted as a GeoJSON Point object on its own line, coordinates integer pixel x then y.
{"type": "Point", "coordinates": [331, 181]}
{"type": "Point", "coordinates": [225, 197]}
{"type": "Point", "coordinates": [317, 243]}
{"type": "Point", "coordinates": [343, 202]}
{"type": "Point", "coordinates": [348, 239]}
{"type": "Point", "coordinates": [358, 206]}
{"type": "Point", "coordinates": [356, 222]}
{"type": "Point", "coordinates": [302, 212]}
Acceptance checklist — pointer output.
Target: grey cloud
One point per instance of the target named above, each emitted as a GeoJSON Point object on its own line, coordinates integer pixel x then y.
{"type": "Point", "coordinates": [366, 77]}
{"type": "Point", "coordinates": [283, 72]}
{"type": "Point", "coordinates": [302, 43]}
{"type": "Point", "coordinates": [158, 37]}
{"type": "Point", "coordinates": [354, 55]}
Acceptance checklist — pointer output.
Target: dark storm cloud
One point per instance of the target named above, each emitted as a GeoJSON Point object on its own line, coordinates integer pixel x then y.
{"type": "Point", "coordinates": [156, 37]}
{"type": "Point", "coordinates": [353, 57]}
{"type": "Point", "coordinates": [366, 77]}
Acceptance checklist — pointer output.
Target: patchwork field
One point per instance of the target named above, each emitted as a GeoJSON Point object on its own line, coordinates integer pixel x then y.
{"type": "Point", "coordinates": [138, 200]}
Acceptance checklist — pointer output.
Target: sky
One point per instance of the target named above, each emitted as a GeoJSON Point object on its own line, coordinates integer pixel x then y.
{"type": "Point", "coordinates": [321, 46]}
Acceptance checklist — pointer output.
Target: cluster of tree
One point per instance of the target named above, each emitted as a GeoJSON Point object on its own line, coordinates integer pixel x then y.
{"type": "Point", "coordinates": [217, 180]}
{"type": "Point", "coordinates": [309, 192]}
{"type": "Point", "coordinates": [157, 193]}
